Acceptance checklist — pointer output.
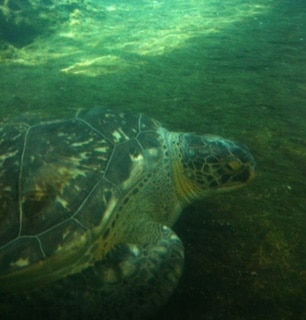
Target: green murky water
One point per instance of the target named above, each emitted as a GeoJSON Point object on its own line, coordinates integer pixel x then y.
{"type": "Point", "coordinates": [233, 68]}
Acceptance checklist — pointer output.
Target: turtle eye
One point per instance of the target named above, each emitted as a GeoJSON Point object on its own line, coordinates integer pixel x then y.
{"type": "Point", "coordinates": [233, 165]}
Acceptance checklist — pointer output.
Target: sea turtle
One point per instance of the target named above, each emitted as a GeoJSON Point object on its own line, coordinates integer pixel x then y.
{"type": "Point", "coordinates": [88, 202]}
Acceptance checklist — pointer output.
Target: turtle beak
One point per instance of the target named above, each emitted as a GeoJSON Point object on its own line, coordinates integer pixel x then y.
{"type": "Point", "coordinates": [253, 175]}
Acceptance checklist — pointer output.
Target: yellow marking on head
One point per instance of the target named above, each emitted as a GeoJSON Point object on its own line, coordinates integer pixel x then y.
{"type": "Point", "coordinates": [20, 263]}
{"type": "Point", "coordinates": [184, 186]}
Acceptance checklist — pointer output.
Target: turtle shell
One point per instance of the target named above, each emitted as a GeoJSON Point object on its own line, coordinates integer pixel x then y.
{"type": "Point", "coordinates": [59, 184]}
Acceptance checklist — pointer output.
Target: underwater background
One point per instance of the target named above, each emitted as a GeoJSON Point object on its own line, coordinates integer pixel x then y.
{"type": "Point", "coordinates": [235, 68]}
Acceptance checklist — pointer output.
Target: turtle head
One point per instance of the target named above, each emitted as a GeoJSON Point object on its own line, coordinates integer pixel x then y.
{"type": "Point", "coordinates": [212, 164]}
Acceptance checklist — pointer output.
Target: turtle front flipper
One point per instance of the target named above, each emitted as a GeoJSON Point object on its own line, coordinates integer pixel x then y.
{"type": "Point", "coordinates": [133, 282]}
